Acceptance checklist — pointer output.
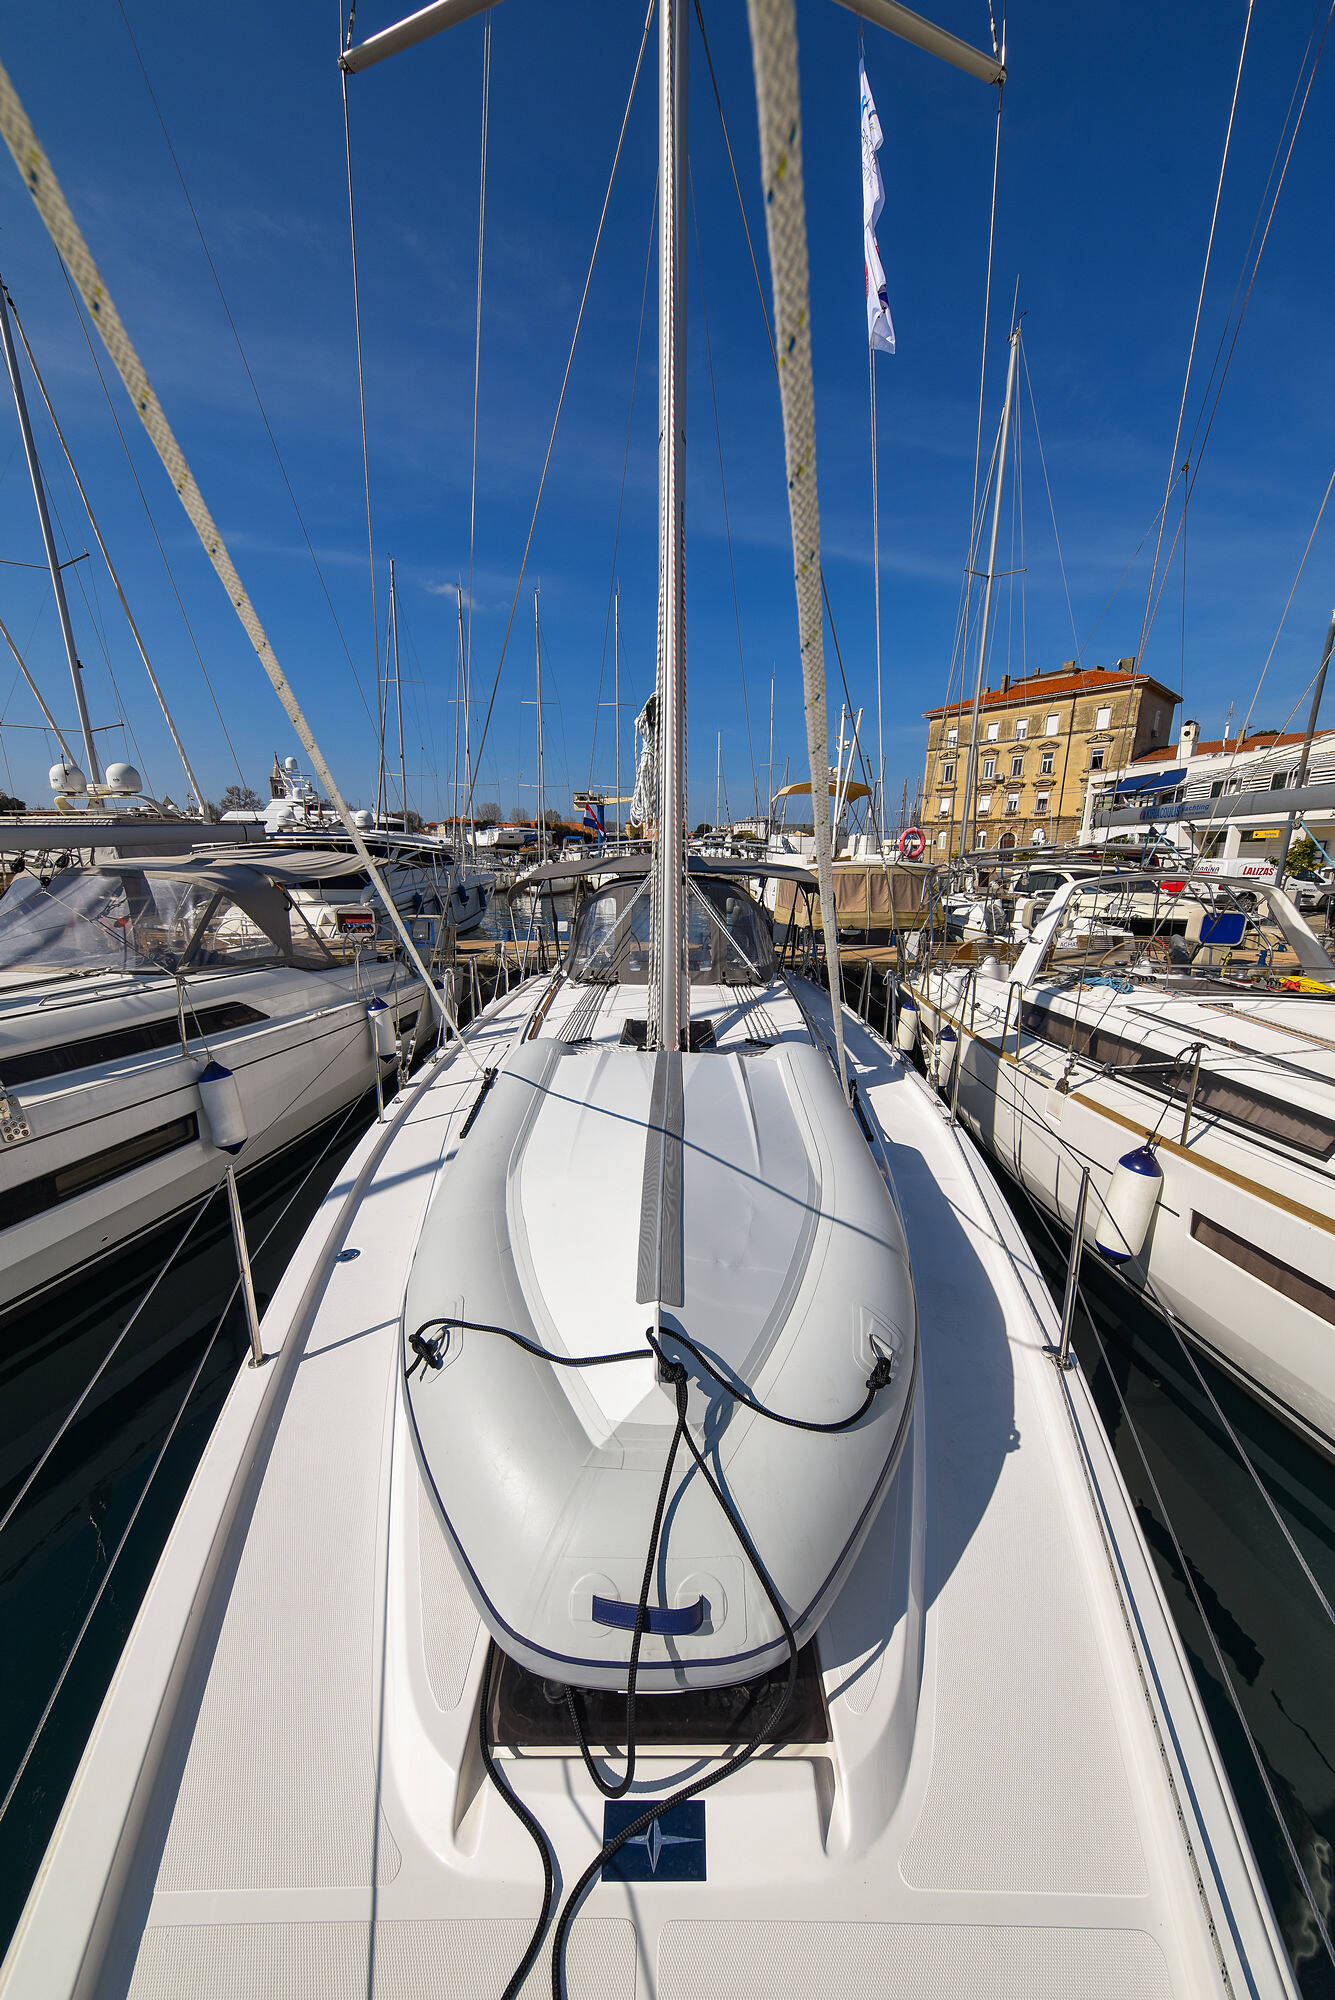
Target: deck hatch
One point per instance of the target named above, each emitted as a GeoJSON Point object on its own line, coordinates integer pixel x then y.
{"type": "Point", "coordinates": [530, 1712]}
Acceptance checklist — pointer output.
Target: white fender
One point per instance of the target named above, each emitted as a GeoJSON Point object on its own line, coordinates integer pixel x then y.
{"type": "Point", "coordinates": [221, 1116]}
{"type": "Point", "coordinates": [380, 1021]}
{"type": "Point", "coordinates": [1133, 1195]}
{"type": "Point", "coordinates": [906, 1028]}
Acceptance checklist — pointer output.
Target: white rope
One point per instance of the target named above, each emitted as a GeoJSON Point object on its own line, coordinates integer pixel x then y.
{"type": "Point", "coordinates": [773, 26]}
{"type": "Point", "coordinates": [65, 233]}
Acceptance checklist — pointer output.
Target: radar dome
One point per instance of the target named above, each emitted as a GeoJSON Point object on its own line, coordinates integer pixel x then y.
{"type": "Point", "coordinates": [123, 778]}
{"type": "Point", "coordinates": [362, 818]}
{"type": "Point", "coordinates": [291, 766]}
{"type": "Point", "coordinates": [67, 778]}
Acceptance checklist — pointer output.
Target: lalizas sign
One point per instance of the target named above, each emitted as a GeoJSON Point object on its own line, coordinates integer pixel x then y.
{"type": "Point", "coordinates": [356, 923]}
{"type": "Point", "coordinates": [1250, 871]}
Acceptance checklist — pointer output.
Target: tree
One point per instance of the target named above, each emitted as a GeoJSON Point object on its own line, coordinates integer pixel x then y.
{"type": "Point", "coordinates": [489, 814]}
{"type": "Point", "coordinates": [1305, 857]}
{"type": "Point", "coordinates": [240, 798]}
{"type": "Point", "coordinates": [9, 804]}
{"type": "Point", "coordinates": [701, 830]}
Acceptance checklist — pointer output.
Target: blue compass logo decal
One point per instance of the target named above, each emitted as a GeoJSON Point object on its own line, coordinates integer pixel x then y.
{"type": "Point", "coordinates": [670, 1849]}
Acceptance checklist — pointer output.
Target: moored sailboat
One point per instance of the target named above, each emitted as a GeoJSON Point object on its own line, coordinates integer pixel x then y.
{"type": "Point", "coordinates": [666, 1382]}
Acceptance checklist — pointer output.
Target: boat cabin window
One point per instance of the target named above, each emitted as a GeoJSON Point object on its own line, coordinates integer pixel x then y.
{"type": "Point", "coordinates": [728, 941]}
{"type": "Point", "coordinates": [227, 936]}
{"type": "Point", "coordinates": [92, 920]}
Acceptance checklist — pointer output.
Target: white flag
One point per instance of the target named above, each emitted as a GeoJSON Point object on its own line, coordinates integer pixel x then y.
{"type": "Point", "coordinates": [880, 326]}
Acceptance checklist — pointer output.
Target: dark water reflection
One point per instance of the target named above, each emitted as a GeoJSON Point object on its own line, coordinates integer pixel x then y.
{"type": "Point", "coordinates": [56, 1550]}
{"type": "Point", "coordinates": [1277, 1645]}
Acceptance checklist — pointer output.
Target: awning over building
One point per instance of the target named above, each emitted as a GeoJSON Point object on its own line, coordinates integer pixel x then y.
{"type": "Point", "coordinates": [1156, 781]}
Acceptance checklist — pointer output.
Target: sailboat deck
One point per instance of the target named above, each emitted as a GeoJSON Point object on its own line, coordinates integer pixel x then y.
{"type": "Point", "coordinates": [283, 1796]}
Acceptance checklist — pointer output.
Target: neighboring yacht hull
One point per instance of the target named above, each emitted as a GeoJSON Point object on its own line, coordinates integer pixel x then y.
{"type": "Point", "coordinates": [117, 1147]}
{"type": "Point", "coordinates": [283, 1792]}
{"type": "Point", "coordinates": [1240, 1245]}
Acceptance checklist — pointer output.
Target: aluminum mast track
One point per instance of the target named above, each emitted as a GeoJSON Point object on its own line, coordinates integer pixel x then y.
{"type": "Point", "coordinates": [65, 233]}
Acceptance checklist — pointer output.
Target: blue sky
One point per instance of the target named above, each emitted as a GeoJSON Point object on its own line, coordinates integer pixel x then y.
{"type": "Point", "coordinates": [1111, 138]}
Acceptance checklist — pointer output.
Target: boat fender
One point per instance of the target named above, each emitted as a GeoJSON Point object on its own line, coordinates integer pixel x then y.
{"type": "Point", "coordinates": [906, 1028]}
{"type": "Point", "coordinates": [380, 1021]}
{"type": "Point", "coordinates": [1133, 1195]}
{"type": "Point", "coordinates": [223, 1118]}
{"type": "Point", "coordinates": [943, 1060]}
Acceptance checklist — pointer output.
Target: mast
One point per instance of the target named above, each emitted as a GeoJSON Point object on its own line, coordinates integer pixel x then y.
{"type": "Point", "coordinates": [669, 1007]}
{"type": "Point", "coordinates": [398, 692]}
{"type": "Point", "coordinates": [537, 663]}
{"type": "Point", "coordinates": [718, 783]}
{"type": "Point", "coordinates": [769, 801]}
{"type": "Point", "coordinates": [191, 779]}
{"type": "Point", "coordinates": [966, 814]}
{"type": "Point", "coordinates": [616, 692]}
{"type": "Point", "coordinates": [458, 695]}
{"type": "Point", "coordinates": [468, 740]}
{"type": "Point", "coordinates": [1318, 689]}
{"type": "Point", "coordinates": [48, 541]}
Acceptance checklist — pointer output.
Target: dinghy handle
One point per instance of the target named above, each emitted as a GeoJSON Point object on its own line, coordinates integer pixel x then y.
{"type": "Point", "coordinates": [667, 1623]}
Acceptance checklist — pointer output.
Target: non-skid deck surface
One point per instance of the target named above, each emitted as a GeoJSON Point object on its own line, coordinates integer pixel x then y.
{"type": "Point", "coordinates": [312, 1847]}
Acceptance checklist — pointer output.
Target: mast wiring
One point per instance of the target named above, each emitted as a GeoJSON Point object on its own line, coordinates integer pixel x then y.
{"type": "Point", "coordinates": [1150, 603]}
{"type": "Point", "coordinates": [723, 489]}
{"type": "Point", "coordinates": [560, 403]}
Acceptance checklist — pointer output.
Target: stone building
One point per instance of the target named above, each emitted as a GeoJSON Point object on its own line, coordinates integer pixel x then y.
{"type": "Point", "coordinates": [1039, 740]}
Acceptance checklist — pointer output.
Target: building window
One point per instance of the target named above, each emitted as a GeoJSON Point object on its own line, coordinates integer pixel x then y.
{"type": "Point", "coordinates": [985, 802]}
{"type": "Point", "coordinates": [1103, 718]}
{"type": "Point", "coordinates": [952, 738]}
{"type": "Point", "coordinates": [989, 767]}
{"type": "Point", "coordinates": [981, 838]}
{"type": "Point", "coordinates": [1022, 726]}
{"type": "Point", "coordinates": [1158, 718]}
{"type": "Point", "coordinates": [1041, 803]}
{"type": "Point", "coordinates": [947, 773]}
{"type": "Point", "coordinates": [1052, 725]}
{"type": "Point", "coordinates": [1046, 763]}
{"type": "Point", "coordinates": [1096, 758]}
{"type": "Point", "coordinates": [943, 810]}
{"type": "Point", "coordinates": [993, 731]}
{"type": "Point", "coordinates": [1279, 782]}
{"type": "Point", "coordinates": [1012, 802]}
{"type": "Point", "coordinates": [941, 839]}
{"type": "Point", "coordinates": [1017, 767]}
{"type": "Point", "coordinates": [1216, 789]}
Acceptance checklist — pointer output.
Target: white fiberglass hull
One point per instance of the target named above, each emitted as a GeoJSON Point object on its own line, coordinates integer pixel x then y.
{"type": "Point", "coordinates": [1012, 1786]}
{"type": "Point", "coordinates": [118, 1146]}
{"type": "Point", "coordinates": [1240, 1248]}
